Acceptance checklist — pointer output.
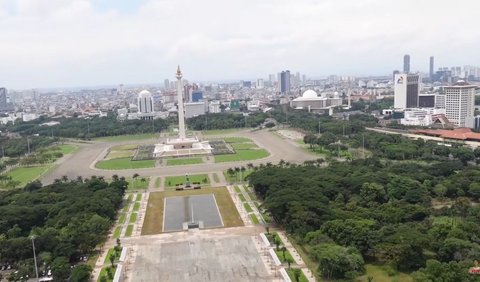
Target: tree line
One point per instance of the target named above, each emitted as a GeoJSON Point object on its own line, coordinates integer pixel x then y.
{"type": "Point", "coordinates": [67, 220]}
{"type": "Point", "coordinates": [371, 211]}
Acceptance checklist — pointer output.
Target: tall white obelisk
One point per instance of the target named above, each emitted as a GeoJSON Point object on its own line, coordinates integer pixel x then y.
{"type": "Point", "coordinates": [181, 112]}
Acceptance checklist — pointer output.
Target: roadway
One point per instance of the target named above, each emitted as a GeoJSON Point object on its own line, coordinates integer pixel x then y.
{"type": "Point", "coordinates": [82, 163]}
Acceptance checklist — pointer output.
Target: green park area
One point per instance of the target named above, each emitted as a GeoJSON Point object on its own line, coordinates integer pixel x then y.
{"type": "Point", "coordinates": [237, 174]}
{"type": "Point", "coordinates": [183, 161]}
{"type": "Point", "coordinates": [245, 150]}
{"type": "Point", "coordinates": [172, 181]}
{"type": "Point", "coordinates": [122, 151]}
{"type": "Point", "coordinates": [130, 137]}
{"type": "Point", "coordinates": [137, 183]}
{"type": "Point", "coordinates": [21, 176]}
{"type": "Point", "coordinates": [66, 148]}
{"type": "Point", "coordinates": [296, 274]}
{"type": "Point", "coordinates": [153, 223]}
{"type": "Point", "coordinates": [124, 163]}
{"type": "Point", "coordinates": [220, 131]}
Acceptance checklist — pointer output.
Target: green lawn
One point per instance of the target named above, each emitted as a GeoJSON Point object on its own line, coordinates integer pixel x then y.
{"type": "Point", "coordinates": [237, 176]}
{"type": "Point", "coordinates": [247, 207]}
{"type": "Point", "coordinates": [220, 131]}
{"type": "Point", "coordinates": [184, 161]}
{"type": "Point", "coordinates": [237, 189]}
{"type": "Point", "coordinates": [243, 146]}
{"type": "Point", "coordinates": [136, 207]}
{"type": "Point", "coordinates": [124, 163]}
{"type": "Point", "coordinates": [252, 195]}
{"type": "Point", "coordinates": [130, 197]}
{"type": "Point", "coordinates": [126, 206]}
{"type": "Point", "coordinates": [121, 219]}
{"type": "Point", "coordinates": [103, 272]}
{"type": "Point", "coordinates": [25, 175]}
{"type": "Point", "coordinates": [281, 257]}
{"type": "Point", "coordinates": [236, 139]}
{"type": "Point", "coordinates": [242, 198]}
{"type": "Point", "coordinates": [254, 219]}
{"type": "Point", "coordinates": [292, 275]}
{"type": "Point", "coordinates": [67, 148]}
{"type": "Point", "coordinates": [137, 183]}
{"type": "Point", "coordinates": [138, 198]}
{"type": "Point", "coordinates": [242, 155]}
{"type": "Point", "coordinates": [116, 233]}
{"type": "Point", "coordinates": [129, 231]}
{"type": "Point", "coordinates": [127, 137]}
{"type": "Point", "coordinates": [172, 181]}
{"type": "Point", "coordinates": [112, 251]}
{"type": "Point", "coordinates": [133, 217]}
{"type": "Point", "coordinates": [158, 182]}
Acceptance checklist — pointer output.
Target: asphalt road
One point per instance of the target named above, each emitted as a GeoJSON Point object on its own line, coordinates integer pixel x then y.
{"type": "Point", "coordinates": [82, 163]}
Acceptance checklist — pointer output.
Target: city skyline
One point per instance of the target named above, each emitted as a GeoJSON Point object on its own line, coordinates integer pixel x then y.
{"type": "Point", "coordinates": [49, 44]}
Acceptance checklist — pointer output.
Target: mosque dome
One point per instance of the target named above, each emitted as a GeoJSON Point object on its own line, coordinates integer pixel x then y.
{"type": "Point", "coordinates": [310, 94]}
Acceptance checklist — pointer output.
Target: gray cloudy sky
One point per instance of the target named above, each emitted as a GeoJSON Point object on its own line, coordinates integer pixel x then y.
{"type": "Point", "coordinates": [58, 43]}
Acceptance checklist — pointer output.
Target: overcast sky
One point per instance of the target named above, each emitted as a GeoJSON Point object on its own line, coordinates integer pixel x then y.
{"type": "Point", "coordinates": [60, 43]}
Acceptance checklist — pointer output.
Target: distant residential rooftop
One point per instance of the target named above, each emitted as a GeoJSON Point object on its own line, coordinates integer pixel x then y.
{"type": "Point", "coordinates": [456, 134]}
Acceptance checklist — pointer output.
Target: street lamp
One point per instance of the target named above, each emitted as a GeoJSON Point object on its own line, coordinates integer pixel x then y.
{"type": "Point", "coordinates": [35, 256]}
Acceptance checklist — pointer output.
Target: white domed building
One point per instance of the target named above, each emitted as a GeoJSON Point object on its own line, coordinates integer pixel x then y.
{"type": "Point", "coordinates": [312, 102]}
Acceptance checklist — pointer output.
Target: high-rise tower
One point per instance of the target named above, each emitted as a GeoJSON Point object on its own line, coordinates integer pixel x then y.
{"type": "Point", "coordinates": [431, 68]}
{"type": "Point", "coordinates": [181, 112]}
{"type": "Point", "coordinates": [406, 63]}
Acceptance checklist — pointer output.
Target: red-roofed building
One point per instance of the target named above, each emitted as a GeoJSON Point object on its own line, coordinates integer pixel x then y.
{"type": "Point", "coordinates": [463, 133]}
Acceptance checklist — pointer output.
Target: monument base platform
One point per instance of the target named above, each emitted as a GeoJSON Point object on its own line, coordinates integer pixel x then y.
{"type": "Point", "coordinates": [182, 147]}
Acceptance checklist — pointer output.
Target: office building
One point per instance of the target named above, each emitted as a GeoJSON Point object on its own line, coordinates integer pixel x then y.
{"type": "Point", "coordinates": [431, 68]}
{"type": "Point", "coordinates": [406, 90]}
{"type": "Point", "coordinates": [166, 84]}
{"type": "Point", "coordinates": [3, 99]}
{"type": "Point", "coordinates": [259, 84]}
{"type": "Point", "coordinates": [145, 105]}
{"type": "Point", "coordinates": [460, 103]}
{"type": "Point", "coordinates": [197, 96]}
{"type": "Point", "coordinates": [406, 63]}
{"type": "Point", "coordinates": [285, 81]}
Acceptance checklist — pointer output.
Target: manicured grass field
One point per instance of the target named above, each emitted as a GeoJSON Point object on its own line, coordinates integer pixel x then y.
{"type": "Point", "coordinates": [237, 189]}
{"type": "Point", "coordinates": [138, 198]}
{"type": "Point", "coordinates": [254, 219]}
{"type": "Point", "coordinates": [121, 151]}
{"type": "Point", "coordinates": [302, 277]}
{"type": "Point", "coordinates": [236, 139]}
{"type": "Point", "coordinates": [26, 174]}
{"type": "Point", "coordinates": [126, 207]}
{"type": "Point", "coordinates": [158, 182]}
{"type": "Point", "coordinates": [153, 218]}
{"type": "Point", "coordinates": [172, 181]}
{"type": "Point", "coordinates": [124, 163]}
{"type": "Point", "coordinates": [243, 146]}
{"type": "Point", "coordinates": [129, 230]}
{"type": "Point", "coordinates": [121, 219]}
{"type": "Point", "coordinates": [136, 207]}
{"type": "Point", "coordinates": [237, 176]}
{"type": "Point", "coordinates": [242, 155]}
{"type": "Point", "coordinates": [133, 217]}
{"type": "Point", "coordinates": [137, 183]}
{"type": "Point", "coordinates": [127, 137]}
{"type": "Point", "coordinates": [116, 233]}
{"type": "Point", "coordinates": [130, 197]}
{"type": "Point", "coordinates": [242, 198]}
{"type": "Point", "coordinates": [67, 148]}
{"type": "Point", "coordinates": [247, 207]}
{"type": "Point", "coordinates": [184, 161]}
{"type": "Point", "coordinates": [220, 131]}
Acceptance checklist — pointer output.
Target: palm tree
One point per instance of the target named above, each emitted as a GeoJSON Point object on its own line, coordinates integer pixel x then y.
{"type": "Point", "coordinates": [64, 178]}
{"type": "Point", "coordinates": [289, 261]}
{"type": "Point", "coordinates": [249, 165]}
{"type": "Point", "coordinates": [237, 170]}
{"type": "Point", "coordinates": [80, 179]}
{"type": "Point", "coordinates": [284, 249]}
{"type": "Point", "coordinates": [115, 177]}
{"type": "Point", "coordinates": [135, 175]}
{"type": "Point", "coordinates": [230, 172]}
{"type": "Point", "coordinates": [242, 169]}
{"type": "Point", "coordinates": [297, 272]}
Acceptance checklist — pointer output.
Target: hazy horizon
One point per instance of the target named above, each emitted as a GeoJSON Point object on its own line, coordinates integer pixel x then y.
{"type": "Point", "coordinates": [66, 44]}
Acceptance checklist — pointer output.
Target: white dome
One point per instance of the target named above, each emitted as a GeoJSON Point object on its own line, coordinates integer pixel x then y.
{"type": "Point", "coordinates": [309, 94]}
{"type": "Point", "coordinates": [144, 93]}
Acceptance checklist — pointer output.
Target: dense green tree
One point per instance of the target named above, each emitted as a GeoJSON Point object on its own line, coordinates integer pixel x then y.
{"type": "Point", "coordinates": [81, 273]}
{"type": "Point", "coordinates": [337, 261]}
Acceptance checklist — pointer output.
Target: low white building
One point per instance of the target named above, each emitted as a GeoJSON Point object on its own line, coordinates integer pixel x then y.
{"type": "Point", "coordinates": [311, 101]}
{"type": "Point", "coordinates": [421, 116]}
{"type": "Point", "coordinates": [214, 107]}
